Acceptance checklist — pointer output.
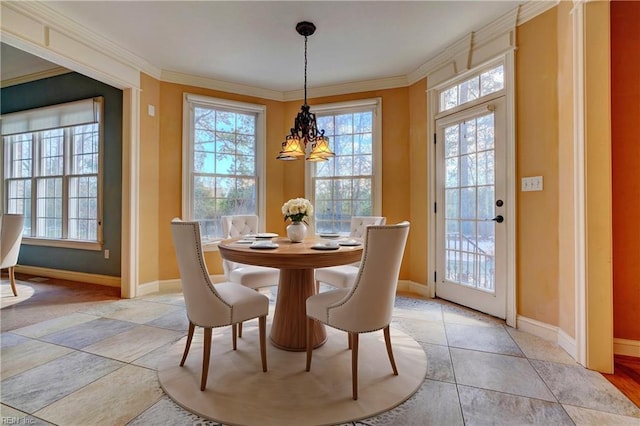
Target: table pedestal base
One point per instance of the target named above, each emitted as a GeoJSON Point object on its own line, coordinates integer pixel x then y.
{"type": "Point", "coordinates": [288, 328]}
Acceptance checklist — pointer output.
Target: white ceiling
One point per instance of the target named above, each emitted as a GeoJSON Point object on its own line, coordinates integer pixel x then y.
{"type": "Point", "coordinates": [256, 44]}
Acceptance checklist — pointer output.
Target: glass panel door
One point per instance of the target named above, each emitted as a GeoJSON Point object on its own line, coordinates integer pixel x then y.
{"type": "Point", "coordinates": [470, 187]}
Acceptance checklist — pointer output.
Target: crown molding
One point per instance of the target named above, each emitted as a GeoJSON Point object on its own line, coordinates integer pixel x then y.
{"type": "Point", "coordinates": [35, 76]}
{"type": "Point", "coordinates": [258, 92]}
{"type": "Point", "coordinates": [223, 86]}
{"type": "Point", "coordinates": [354, 87]}
{"type": "Point", "coordinates": [506, 23]}
{"type": "Point", "coordinates": [464, 47]}
{"type": "Point", "coordinates": [442, 59]}
{"type": "Point", "coordinates": [533, 8]}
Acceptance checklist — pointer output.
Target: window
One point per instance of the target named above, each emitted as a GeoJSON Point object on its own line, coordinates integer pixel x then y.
{"type": "Point", "coordinates": [52, 173]}
{"type": "Point", "coordinates": [348, 184]}
{"type": "Point", "coordinates": [222, 158]}
{"type": "Point", "coordinates": [469, 90]}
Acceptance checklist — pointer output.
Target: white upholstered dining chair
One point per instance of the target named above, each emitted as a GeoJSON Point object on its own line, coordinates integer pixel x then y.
{"type": "Point", "coordinates": [368, 305]}
{"type": "Point", "coordinates": [343, 276]}
{"type": "Point", "coordinates": [251, 276]}
{"type": "Point", "coordinates": [248, 275]}
{"type": "Point", "coordinates": [213, 305]}
{"type": "Point", "coordinates": [11, 227]}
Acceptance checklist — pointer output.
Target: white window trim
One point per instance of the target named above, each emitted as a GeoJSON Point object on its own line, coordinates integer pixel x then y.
{"type": "Point", "coordinates": [356, 105]}
{"type": "Point", "coordinates": [72, 113]}
{"type": "Point", "coordinates": [189, 100]}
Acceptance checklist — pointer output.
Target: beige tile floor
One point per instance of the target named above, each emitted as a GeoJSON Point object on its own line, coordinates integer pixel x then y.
{"type": "Point", "coordinates": [96, 365]}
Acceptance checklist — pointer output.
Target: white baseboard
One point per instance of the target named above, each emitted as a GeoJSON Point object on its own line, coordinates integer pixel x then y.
{"type": "Point", "coordinates": [159, 286]}
{"type": "Point", "coordinates": [413, 287]}
{"type": "Point", "coordinates": [168, 285]}
{"type": "Point", "coordinates": [62, 274]}
{"type": "Point", "coordinates": [626, 347]}
{"type": "Point", "coordinates": [568, 343]}
{"type": "Point", "coordinates": [537, 328]}
{"type": "Point", "coordinates": [147, 288]}
{"type": "Point", "coordinates": [548, 332]}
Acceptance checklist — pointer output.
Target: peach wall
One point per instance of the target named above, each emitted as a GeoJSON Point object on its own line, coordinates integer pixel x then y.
{"type": "Point", "coordinates": [149, 182]}
{"type": "Point", "coordinates": [625, 111]}
{"type": "Point", "coordinates": [170, 173]}
{"type": "Point", "coordinates": [566, 228]}
{"type": "Point", "coordinates": [537, 155]}
{"type": "Point", "coordinates": [419, 196]}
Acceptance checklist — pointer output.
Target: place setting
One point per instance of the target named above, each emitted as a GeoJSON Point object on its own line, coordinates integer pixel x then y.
{"type": "Point", "coordinates": [329, 235]}
{"type": "Point", "coordinates": [260, 240]}
{"type": "Point", "coordinates": [264, 245]}
{"type": "Point", "coordinates": [328, 245]}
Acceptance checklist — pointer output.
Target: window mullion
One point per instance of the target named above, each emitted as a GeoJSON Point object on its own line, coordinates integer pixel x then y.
{"type": "Point", "coordinates": [35, 150]}
{"type": "Point", "coordinates": [66, 171]}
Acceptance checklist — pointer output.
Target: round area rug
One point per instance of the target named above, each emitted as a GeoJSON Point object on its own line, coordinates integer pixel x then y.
{"type": "Point", "coordinates": [239, 393]}
{"type": "Point", "coordinates": [6, 294]}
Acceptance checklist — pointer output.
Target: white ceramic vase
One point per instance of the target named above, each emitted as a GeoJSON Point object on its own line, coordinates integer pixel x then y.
{"type": "Point", "coordinates": [296, 231]}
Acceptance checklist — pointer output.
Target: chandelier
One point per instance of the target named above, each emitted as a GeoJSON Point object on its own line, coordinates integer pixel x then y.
{"type": "Point", "coordinates": [305, 130]}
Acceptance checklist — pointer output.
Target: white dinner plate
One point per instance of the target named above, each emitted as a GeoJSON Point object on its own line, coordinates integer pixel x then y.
{"type": "Point", "coordinates": [266, 235]}
{"type": "Point", "coordinates": [349, 243]}
{"type": "Point", "coordinates": [330, 235]}
{"type": "Point", "coordinates": [324, 247]}
{"type": "Point", "coordinates": [264, 245]}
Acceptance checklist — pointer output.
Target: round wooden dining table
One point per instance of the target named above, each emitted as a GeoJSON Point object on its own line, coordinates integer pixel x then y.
{"type": "Point", "coordinates": [296, 262]}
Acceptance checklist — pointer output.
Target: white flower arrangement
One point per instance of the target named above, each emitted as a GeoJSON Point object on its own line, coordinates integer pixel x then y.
{"type": "Point", "coordinates": [297, 209]}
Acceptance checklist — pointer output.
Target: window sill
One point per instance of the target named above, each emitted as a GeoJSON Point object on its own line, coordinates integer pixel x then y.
{"type": "Point", "coordinates": [73, 244]}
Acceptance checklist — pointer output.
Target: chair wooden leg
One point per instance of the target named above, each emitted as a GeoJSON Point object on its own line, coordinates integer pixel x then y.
{"type": "Point", "coordinates": [349, 340]}
{"type": "Point", "coordinates": [192, 327]}
{"type": "Point", "coordinates": [387, 340]}
{"type": "Point", "coordinates": [354, 364]}
{"type": "Point", "coordinates": [262, 327]}
{"type": "Point", "coordinates": [239, 329]}
{"type": "Point", "coordinates": [317, 286]}
{"type": "Point", "coordinates": [309, 341]}
{"type": "Point", "coordinates": [206, 356]}
{"type": "Point", "coordinates": [234, 340]}
{"type": "Point", "coordinates": [12, 278]}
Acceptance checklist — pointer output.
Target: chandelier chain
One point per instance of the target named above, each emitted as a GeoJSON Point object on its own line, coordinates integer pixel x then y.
{"type": "Point", "coordinates": [305, 70]}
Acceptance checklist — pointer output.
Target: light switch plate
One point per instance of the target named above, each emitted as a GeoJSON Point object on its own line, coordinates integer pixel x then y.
{"type": "Point", "coordinates": [533, 183]}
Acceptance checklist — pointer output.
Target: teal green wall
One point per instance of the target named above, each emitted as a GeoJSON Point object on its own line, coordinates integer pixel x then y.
{"type": "Point", "coordinates": [67, 88]}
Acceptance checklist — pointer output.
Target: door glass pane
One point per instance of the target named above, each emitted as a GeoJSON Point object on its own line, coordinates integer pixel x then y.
{"type": "Point", "coordinates": [492, 80]}
{"type": "Point", "coordinates": [468, 170]}
{"type": "Point", "coordinates": [469, 196]}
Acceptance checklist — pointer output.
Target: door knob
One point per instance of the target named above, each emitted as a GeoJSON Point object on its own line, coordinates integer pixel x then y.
{"type": "Point", "coordinates": [498, 218]}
